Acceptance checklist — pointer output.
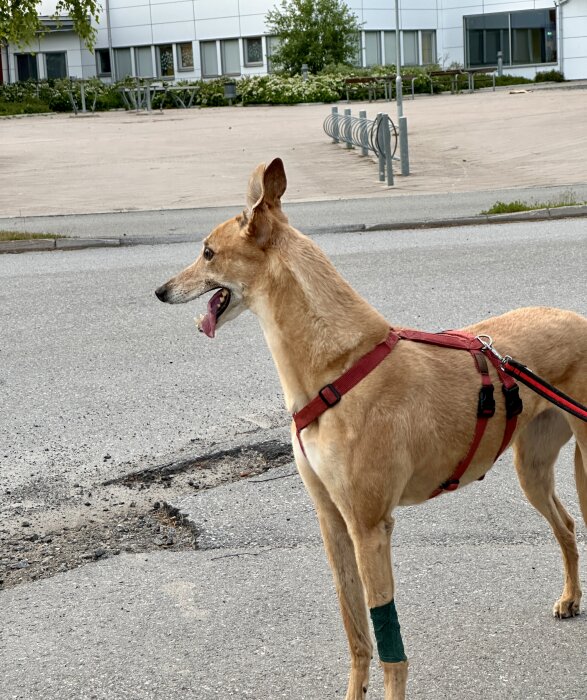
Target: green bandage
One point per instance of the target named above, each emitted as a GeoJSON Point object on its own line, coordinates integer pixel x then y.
{"type": "Point", "coordinates": [387, 633]}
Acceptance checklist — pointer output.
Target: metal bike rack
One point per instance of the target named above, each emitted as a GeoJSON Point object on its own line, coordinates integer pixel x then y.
{"type": "Point", "coordinates": [377, 135]}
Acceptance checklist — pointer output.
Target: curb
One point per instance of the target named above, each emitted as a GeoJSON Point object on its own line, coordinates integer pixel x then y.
{"type": "Point", "coordinates": [47, 244]}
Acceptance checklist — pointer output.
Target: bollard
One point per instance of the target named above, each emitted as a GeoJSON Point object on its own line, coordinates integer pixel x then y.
{"type": "Point", "coordinates": [380, 156]}
{"type": "Point", "coordinates": [364, 141]}
{"type": "Point", "coordinates": [148, 96]}
{"type": "Point", "coordinates": [499, 63]}
{"type": "Point", "coordinates": [347, 130]}
{"type": "Point", "coordinates": [335, 125]}
{"type": "Point", "coordinates": [403, 145]}
{"type": "Point", "coordinates": [83, 96]}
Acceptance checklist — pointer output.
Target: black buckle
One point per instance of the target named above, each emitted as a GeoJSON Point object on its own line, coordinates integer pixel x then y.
{"type": "Point", "coordinates": [450, 485]}
{"type": "Point", "coordinates": [329, 401]}
{"type": "Point", "coordinates": [513, 402]}
{"type": "Point", "coordinates": [486, 405]}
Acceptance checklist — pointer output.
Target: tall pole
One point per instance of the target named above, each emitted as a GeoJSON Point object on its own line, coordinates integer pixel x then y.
{"type": "Point", "coordinates": [402, 122]}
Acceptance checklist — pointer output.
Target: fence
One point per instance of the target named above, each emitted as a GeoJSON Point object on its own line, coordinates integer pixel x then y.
{"type": "Point", "coordinates": [378, 135]}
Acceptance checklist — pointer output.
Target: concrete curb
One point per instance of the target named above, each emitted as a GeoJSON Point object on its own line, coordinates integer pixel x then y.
{"type": "Point", "coordinates": [33, 245]}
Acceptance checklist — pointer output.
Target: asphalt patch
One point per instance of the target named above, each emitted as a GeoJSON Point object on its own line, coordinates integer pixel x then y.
{"type": "Point", "coordinates": [131, 514]}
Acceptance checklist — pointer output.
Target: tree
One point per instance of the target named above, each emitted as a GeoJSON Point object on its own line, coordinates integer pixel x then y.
{"type": "Point", "coordinates": [315, 32]}
{"type": "Point", "coordinates": [20, 24]}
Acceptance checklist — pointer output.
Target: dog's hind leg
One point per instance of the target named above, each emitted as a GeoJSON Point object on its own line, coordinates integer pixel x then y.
{"type": "Point", "coordinates": [581, 465]}
{"type": "Point", "coordinates": [341, 555]}
{"type": "Point", "coordinates": [535, 452]}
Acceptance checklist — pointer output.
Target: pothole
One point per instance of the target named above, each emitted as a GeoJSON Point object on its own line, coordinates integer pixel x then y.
{"type": "Point", "coordinates": [131, 514]}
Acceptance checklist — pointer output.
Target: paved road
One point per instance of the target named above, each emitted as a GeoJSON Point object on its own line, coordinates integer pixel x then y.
{"type": "Point", "coordinates": [92, 363]}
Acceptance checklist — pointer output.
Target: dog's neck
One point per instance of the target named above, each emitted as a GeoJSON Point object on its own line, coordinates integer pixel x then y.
{"type": "Point", "coordinates": [315, 324]}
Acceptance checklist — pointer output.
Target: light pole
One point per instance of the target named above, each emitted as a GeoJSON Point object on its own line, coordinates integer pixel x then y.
{"type": "Point", "coordinates": [402, 121]}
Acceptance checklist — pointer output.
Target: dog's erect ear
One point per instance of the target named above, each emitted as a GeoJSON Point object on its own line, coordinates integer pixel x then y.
{"type": "Point", "coordinates": [267, 184]}
{"type": "Point", "coordinates": [266, 187]}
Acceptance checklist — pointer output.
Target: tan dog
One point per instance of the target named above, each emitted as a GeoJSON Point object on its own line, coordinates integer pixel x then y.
{"type": "Point", "coordinates": [386, 443]}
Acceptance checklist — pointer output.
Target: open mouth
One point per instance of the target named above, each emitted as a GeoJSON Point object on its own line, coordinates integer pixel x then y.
{"type": "Point", "coordinates": [217, 305]}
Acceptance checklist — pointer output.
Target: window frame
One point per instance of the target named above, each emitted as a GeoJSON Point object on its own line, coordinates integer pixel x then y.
{"type": "Point", "coordinates": [180, 65]}
{"type": "Point", "coordinates": [158, 64]}
{"type": "Point", "coordinates": [103, 52]}
{"type": "Point", "coordinates": [203, 61]}
{"type": "Point", "coordinates": [33, 58]}
{"type": "Point", "coordinates": [246, 62]}
{"type": "Point", "coordinates": [237, 55]}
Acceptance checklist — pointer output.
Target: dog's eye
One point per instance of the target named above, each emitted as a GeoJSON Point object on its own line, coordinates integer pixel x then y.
{"type": "Point", "coordinates": [208, 253]}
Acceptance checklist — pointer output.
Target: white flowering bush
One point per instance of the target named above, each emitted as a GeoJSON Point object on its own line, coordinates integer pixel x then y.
{"type": "Point", "coordinates": [285, 90]}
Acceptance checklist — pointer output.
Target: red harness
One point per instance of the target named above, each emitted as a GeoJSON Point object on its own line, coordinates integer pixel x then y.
{"type": "Point", "coordinates": [331, 394]}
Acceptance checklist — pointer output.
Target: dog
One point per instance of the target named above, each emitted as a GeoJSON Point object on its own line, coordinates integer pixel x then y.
{"type": "Point", "coordinates": [399, 432]}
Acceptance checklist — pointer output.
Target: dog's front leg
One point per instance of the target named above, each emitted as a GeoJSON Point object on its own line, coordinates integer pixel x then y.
{"type": "Point", "coordinates": [341, 555]}
{"type": "Point", "coordinates": [373, 551]}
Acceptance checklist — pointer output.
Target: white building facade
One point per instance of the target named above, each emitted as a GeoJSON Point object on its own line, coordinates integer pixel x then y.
{"type": "Point", "coordinates": [192, 39]}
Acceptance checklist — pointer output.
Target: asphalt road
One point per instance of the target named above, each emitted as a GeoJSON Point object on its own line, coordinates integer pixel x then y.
{"type": "Point", "coordinates": [92, 364]}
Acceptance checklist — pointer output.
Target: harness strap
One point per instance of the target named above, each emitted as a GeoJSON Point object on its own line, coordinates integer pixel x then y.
{"type": "Point", "coordinates": [331, 394]}
{"type": "Point", "coordinates": [485, 411]}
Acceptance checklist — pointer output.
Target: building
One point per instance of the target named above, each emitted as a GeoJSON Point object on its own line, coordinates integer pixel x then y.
{"type": "Point", "coordinates": [189, 39]}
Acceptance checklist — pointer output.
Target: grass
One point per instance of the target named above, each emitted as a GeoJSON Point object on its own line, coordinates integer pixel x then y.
{"type": "Point", "coordinates": [24, 236]}
{"type": "Point", "coordinates": [566, 199]}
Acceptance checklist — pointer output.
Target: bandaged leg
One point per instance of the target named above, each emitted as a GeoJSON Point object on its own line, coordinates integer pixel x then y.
{"type": "Point", "coordinates": [387, 633]}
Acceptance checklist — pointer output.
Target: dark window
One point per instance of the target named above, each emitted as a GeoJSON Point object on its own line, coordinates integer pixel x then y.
{"type": "Point", "coordinates": [56, 64]}
{"type": "Point", "coordinates": [165, 60]}
{"type": "Point", "coordinates": [253, 51]}
{"type": "Point", "coordinates": [26, 66]}
{"type": "Point", "coordinates": [103, 62]}
{"type": "Point", "coordinates": [530, 35]}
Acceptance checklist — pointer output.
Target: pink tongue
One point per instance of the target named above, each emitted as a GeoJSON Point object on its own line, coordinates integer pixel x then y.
{"type": "Point", "coordinates": [208, 324]}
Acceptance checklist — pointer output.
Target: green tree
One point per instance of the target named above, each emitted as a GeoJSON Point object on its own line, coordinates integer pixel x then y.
{"type": "Point", "coordinates": [19, 19]}
{"type": "Point", "coordinates": [315, 32]}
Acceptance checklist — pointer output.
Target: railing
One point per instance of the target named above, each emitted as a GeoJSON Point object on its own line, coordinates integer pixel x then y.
{"type": "Point", "coordinates": [140, 97]}
{"type": "Point", "coordinates": [377, 135]}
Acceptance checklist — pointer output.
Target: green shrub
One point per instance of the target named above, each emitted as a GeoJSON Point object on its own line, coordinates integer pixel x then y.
{"type": "Point", "coordinates": [549, 76]}
{"type": "Point", "coordinates": [30, 106]}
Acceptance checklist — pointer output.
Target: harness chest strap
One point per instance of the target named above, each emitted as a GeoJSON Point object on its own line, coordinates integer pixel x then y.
{"type": "Point", "coordinates": [331, 394]}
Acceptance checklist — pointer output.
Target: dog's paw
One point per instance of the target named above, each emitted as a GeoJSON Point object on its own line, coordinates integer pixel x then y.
{"type": "Point", "coordinates": [566, 607]}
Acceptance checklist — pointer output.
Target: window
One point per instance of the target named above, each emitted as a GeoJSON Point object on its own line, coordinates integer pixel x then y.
{"type": "Point", "coordinates": [165, 61]}
{"type": "Point", "coordinates": [26, 66]}
{"type": "Point", "coordinates": [56, 63]}
{"type": "Point", "coordinates": [428, 47]}
{"type": "Point", "coordinates": [103, 66]}
{"type": "Point", "coordinates": [209, 59]}
{"type": "Point", "coordinates": [410, 42]}
{"type": "Point", "coordinates": [185, 56]}
{"type": "Point", "coordinates": [231, 62]}
{"type": "Point", "coordinates": [143, 62]}
{"type": "Point", "coordinates": [123, 63]}
{"type": "Point", "coordinates": [389, 45]}
{"type": "Point", "coordinates": [530, 34]}
{"type": "Point", "coordinates": [372, 49]}
{"type": "Point", "coordinates": [272, 46]}
{"type": "Point", "coordinates": [253, 51]}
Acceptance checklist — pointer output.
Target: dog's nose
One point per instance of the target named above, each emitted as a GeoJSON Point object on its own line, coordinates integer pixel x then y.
{"type": "Point", "coordinates": [161, 292]}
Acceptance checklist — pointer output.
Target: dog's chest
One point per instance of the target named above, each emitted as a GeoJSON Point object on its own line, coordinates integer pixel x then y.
{"type": "Point", "coordinates": [311, 450]}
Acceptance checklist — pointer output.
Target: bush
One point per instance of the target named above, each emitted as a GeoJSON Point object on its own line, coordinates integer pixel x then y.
{"type": "Point", "coordinates": [549, 76]}
{"type": "Point", "coordinates": [28, 107]}
{"type": "Point", "coordinates": [283, 90]}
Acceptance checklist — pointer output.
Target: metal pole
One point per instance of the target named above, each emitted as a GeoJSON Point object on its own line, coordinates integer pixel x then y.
{"type": "Point", "coordinates": [387, 148]}
{"type": "Point", "coordinates": [347, 129]}
{"type": "Point", "coordinates": [364, 144]}
{"type": "Point", "coordinates": [500, 63]}
{"type": "Point", "coordinates": [83, 96]}
{"type": "Point", "coordinates": [380, 154]}
{"type": "Point", "coordinates": [402, 121]}
{"type": "Point", "coordinates": [335, 125]}
{"type": "Point", "coordinates": [403, 145]}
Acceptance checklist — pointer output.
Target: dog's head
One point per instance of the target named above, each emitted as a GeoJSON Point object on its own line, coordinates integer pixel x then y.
{"type": "Point", "coordinates": [233, 257]}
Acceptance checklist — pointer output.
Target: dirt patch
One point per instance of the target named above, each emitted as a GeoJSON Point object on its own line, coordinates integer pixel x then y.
{"type": "Point", "coordinates": [130, 514]}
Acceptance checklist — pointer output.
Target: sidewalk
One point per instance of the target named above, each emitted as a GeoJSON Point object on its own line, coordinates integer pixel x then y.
{"type": "Point", "coordinates": [60, 164]}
